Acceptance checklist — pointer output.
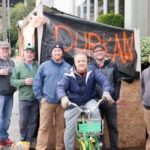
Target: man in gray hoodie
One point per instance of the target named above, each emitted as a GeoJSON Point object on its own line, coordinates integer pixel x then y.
{"type": "Point", "coordinates": [145, 89]}
{"type": "Point", "coordinates": [6, 93]}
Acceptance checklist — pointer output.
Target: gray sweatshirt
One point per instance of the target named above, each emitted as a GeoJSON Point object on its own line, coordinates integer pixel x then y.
{"type": "Point", "coordinates": [145, 87]}
{"type": "Point", "coordinates": [5, 87]}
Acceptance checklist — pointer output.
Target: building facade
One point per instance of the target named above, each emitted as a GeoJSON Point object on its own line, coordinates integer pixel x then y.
{"type": "Point", "coordinates": [137, 15]}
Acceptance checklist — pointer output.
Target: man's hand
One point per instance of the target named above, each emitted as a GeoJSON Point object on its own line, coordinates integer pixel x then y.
{"type": "Point", "coordinates": [43, 100]}
{"type": "Point", "coordinates": [28, 81]}
{"type": "Point", "coordinates": [107, 96]}
{"type": "Point", "coordinates": [64, 102]}
{"type": "Point", "coordinates": [4, 72]}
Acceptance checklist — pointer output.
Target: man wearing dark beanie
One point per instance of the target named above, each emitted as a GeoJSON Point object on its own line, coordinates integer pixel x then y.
{"type": "Point", "coordinates": [44, 87]}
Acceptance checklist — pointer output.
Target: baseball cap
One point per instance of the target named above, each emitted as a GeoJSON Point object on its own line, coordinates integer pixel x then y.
{"type": "Point", "coordinates": [4, 44]}
{"type": "Point", "coordinates": [29, 47]}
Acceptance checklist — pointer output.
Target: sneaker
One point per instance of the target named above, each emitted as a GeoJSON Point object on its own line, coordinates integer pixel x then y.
{"type": "Point", "coordinates": [2, 143]}
{"type": "Point", "coordinates": [1, 146]}
{"type": "Point", "coordinates": [8, 142]}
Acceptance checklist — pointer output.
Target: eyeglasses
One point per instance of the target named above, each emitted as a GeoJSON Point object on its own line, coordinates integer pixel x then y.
{"type": "Point", "coordinates": [97, 51]}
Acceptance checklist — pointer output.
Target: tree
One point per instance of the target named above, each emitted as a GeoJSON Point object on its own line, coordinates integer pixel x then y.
{"type": "Point", "coordinates": [17, 13]}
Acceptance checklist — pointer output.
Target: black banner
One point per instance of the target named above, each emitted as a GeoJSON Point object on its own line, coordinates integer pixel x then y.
{"type": "Point", "coordinates": [78, 34]}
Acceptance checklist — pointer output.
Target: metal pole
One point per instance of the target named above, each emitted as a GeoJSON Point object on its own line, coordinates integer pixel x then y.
{"type": "Point", "coordinates": [76, 8]}
{"type": "Point", "coordinates": [95, 9]}
{"type": "Point", "coordinates": [73, 6]}
{"type": "Point", "coordinates": [8, 3]}
{"type": "Point", "coordinates": [116, 6]}
{"type": "Point", "coordinates": [105, 6]}
{"type": "Point", "coordinates": [4, 20]}
{"type": "Point", "coordinates": [88, 10]}
{"type": "Point", "coordinates": [81, 9]}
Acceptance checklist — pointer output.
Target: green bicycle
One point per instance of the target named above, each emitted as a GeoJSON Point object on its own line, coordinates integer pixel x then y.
{"type": "Point", "coordinates": [89, 130]}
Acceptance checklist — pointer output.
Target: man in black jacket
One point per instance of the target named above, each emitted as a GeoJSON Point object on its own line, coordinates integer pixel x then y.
{"type": "Point", "coordinates": [108, 110]}
{"type": "Point", "coordinates": [6, 93]}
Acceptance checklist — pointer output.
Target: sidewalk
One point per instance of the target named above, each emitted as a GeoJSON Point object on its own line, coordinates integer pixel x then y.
{"type": "Point", "coordinates": [14, 126]}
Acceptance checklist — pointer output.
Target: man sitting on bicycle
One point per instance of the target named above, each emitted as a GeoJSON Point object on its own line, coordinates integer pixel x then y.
{"type": "Point", "coordinates": [78, 87]}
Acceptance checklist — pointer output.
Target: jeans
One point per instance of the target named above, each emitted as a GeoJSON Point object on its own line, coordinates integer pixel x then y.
{"type": "Point", "coordinates": [28, 119]}
{"type": "Point", "coordinates": [6, 104]}
{"type": "Point", "coordinates": [109, 111]}
{"type": "Point", "coordinates": [71, 116]}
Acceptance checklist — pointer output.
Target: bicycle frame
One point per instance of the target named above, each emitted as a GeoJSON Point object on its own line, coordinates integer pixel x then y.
{"type": "Point", "coordinates": [88, 130]}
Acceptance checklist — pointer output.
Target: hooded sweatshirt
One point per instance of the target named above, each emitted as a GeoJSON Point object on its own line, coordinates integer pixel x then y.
{"type": "Point", "coordinates": [5, 87]}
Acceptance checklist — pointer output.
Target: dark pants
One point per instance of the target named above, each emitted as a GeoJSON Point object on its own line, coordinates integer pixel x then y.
{"type": "Point", "coordinates": [28, 119]}
{"type": "Point", "coordinates": [110, 113]}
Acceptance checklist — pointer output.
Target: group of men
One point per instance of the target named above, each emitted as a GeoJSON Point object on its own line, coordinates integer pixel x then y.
{"type": "Point", "coordinates": [51, 86]}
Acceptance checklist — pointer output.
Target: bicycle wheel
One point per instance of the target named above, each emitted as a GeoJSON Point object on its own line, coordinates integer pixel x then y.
{"type": "Point", "coordinates": [91, 146]}
{"type": "Point", "coordinates": [97, 145]}
{"type": "Point", "coordinates": [81, 144]}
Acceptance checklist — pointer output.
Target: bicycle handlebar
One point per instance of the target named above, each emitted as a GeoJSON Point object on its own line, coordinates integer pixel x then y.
{"type": "Point", "coordinates": [73, 104]}
{"type": "Point", "coordinates": [82, 110]}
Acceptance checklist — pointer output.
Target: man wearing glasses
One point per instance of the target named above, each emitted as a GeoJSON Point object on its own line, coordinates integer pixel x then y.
{"type": "Point", "coordinates": [110, 69]}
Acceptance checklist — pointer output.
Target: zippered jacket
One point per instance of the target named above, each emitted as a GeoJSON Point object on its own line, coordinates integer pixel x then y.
{"type": "Point", "coordinates": [48, 74]}
{"type": "Point", "coordinates": [81, 89]}
{"type": "Point", "coordinates": [110, 70]}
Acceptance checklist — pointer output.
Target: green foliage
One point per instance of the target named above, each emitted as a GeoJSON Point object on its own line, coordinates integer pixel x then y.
{"type": "Point", "coordinates": [18, 12]}
{"type": "Point", "coordinates": [111, 19]}
{"type": "Point", "coordinates": [30, 6]}
{"type": "Point", "coordinates": [145, 49]}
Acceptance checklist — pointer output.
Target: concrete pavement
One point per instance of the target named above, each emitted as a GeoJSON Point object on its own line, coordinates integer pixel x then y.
{"type": "Point", "coordinates": [14, 126]}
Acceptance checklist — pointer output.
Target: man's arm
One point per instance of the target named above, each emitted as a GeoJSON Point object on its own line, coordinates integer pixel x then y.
{"type": "Point", "coordinates": [62, 87]}
{"type": "Point", "coordinates": [38, 84]}
{"type": "Point", "coordinates": [61, 91]}
{"type": "Point", "coordinates": [15, 78]}
{"type": "Point", "coordinates": [103, 81]}
{"type": "Point", "coordinates": [117, 82]}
